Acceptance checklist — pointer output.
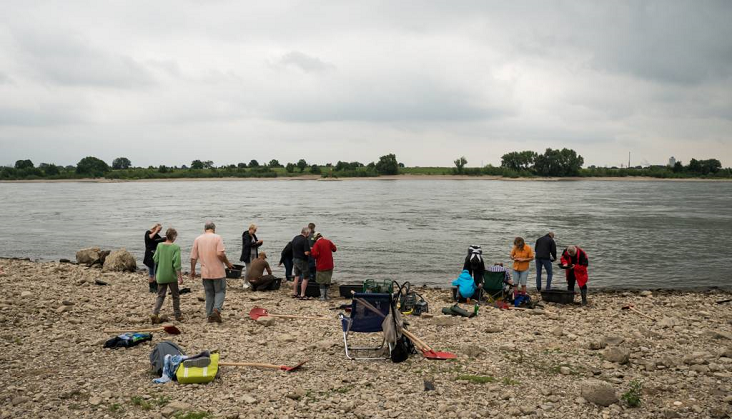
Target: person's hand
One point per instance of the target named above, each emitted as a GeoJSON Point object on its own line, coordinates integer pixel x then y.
{"type": "Point", "coordinates": [260, 242]}
{"type": "Point", "coordinates": [180, 279]}
{"type": "Point", "coordinates": [230, 266]}
{"type": "Point", "coordinates": [280, 264]}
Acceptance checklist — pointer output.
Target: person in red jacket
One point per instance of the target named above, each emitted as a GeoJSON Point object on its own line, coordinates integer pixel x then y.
{"type": "Point", "coordinates": [322, 252]}
{"type": "Point", "coordinates": [575, 262]}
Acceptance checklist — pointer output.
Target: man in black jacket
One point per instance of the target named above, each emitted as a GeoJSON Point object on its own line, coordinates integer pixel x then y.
{"type": "Point", "coordinates": [545, 253]}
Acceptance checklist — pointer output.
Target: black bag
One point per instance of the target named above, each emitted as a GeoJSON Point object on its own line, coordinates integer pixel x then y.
{"type": "Point", "coordinates": [402, 349]}
{"type": "Point", "coordinates": [128, 340]}
{"type": "Point", "coordinates": [157, 356]}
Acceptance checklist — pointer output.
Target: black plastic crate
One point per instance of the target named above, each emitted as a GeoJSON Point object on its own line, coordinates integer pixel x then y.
{"type": "Point", "coordinates": [558, 296]}
{"type": "Point", "coordinates": [345, 290]}
{"type": "Point", "coordinates": [233, 273]}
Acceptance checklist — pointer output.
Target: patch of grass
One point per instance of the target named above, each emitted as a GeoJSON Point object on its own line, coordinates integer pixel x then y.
{"type": "Point", "coordinates": [344, 389]}
{"type": "Point", "coordinates": [509, 382]}
{"type": "Point", "coordinates": [140, 402]}
{"type": "Point", "coordinates": [476, 379]}
{"type": "Point", "coordinates": [75, 406]}
{"type": "Point", "coordinates": [633, 396]}
{"type": "Point", "coordinates": [115, 408]}
{"type": "Point", "coordinates": [192, 415]}
{"type": "Point", "coordinates": [161, 401]}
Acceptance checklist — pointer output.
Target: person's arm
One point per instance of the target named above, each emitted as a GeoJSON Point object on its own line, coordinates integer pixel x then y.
{"type": "Point", "coordinates": [223, 257]}
{"type": "Point", "coordinates": [583, 259]}
{"type": "Point", "coordinates": [193, 268]}
{"type": "Point", "coordinates": [177, 264]}
{"type": "Point", "coordinates": [314, 251]}
{"type": "Point", "coordinates": [553, 250]}
{"type": "Point", "coordinates": [156, 256]}
{"type": "Point", "coordinates": [531, 255]}
{"type": "Point", "coordinates": [333, 247]}
{"type": "Point", "coordinates": [267, 266]}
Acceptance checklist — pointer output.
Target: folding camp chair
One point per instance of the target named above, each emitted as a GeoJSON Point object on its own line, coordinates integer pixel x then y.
{"type": "Point", "coordinates": [493, 286]}
{"type": "Point", "coordinates": [364, 320]}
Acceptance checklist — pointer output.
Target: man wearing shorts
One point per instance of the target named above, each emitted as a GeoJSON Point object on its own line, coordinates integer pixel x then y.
{"type": "Point", "coordinates": [301, 251]}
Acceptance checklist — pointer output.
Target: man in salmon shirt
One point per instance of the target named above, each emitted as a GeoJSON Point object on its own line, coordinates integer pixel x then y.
{"type": "Point", "coordinates": [521, 255]}
{"type": "Point", "coordinates": [322, 252]}
{"type": "Point", "coordinates": [208, 249]}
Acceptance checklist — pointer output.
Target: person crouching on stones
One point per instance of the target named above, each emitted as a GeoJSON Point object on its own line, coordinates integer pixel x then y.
{"type": "Point", "coordinates": [255, 273]}
{"type": "Point", "coordinates": [322, 252]}
{"type": "Point", "coordinates": [167, 257]}
{"type": "Point", "coordinates": [466, 285]}
{"type": "Point", "coordinates": [152, 239]}
{"type": "Point", "coordinates": [575, 262]}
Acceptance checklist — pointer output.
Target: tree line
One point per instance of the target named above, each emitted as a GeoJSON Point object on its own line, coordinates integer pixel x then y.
{"type": "Point", "coordinates": [122, 168]}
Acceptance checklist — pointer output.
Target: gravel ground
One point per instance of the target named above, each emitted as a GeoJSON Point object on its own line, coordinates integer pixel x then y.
{"type": "Point", "coordinates": [552, 362]}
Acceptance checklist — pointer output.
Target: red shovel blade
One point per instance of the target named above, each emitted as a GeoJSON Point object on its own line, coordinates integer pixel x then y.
{"type": "Point", "coordinates": [172, 330]}
{"type": "Point", "coordinates": [431, 354]}
{"type": "Point", "coordinates": [257, 312]}
{"type": "Point", "coordinates": [291, 369]}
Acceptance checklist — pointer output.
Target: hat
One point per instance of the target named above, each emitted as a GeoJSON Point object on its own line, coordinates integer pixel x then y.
{"type": "Point", "coordinates": [317, 234]}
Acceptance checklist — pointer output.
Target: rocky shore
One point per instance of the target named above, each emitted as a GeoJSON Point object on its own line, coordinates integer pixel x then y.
{"type": "Point", "coordinates": [551, 362]}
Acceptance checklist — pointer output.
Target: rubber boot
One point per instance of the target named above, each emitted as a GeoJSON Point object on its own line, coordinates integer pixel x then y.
{"type": "Point", "coordinates": [584, 297]}
{"type": "Point", "coordinates": [325, 292]}
{"type": "Point", "coordinates": [322, 290]}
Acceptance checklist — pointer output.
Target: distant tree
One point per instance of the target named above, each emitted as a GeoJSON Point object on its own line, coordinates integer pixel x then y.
{"type": "Point", "coordinates": [329, 164]}
{"type": "Point", "coordinates": [710, 166]}
{"type": "Point", "coordinates": [387, 165]}
{"type": "Point", "coordinates": [315, 169]}
{"type": "Point", "coordinates": [163, 168]}
{"type": "Point", "coordinates": [402, 165]}
{"type": "Point", "coordinates": [518, 160]}
{"type": "Point", "coordinates": [184, 167]}
{"type": "Point", "coordinates": [371, 166]}
{"type": "Point", "coordinates": [121, 163]}
{"type": "Point", "coordinates": [565, 162]}
{"type": "Point", "coordinates": [208, 164]}
{"type": "Point", "coordinates": [24, 164]}
{"type": "Point", "coordinates": [274, 163]}
{"type": "Point", "coordinates": [340, 166]}
{"type": "Point", "coordinates": [290, 168]}
{"type": "Point", "coordinates": [678, 167]}
{"type": "Point", "coordinates": [302, 165]}
{"type": "Point", "coordinates": [50, 169]}
{"type": "Point", "coordinates": [197, 164]}
{"type": "Point", "coordinates": [242, 165]}
{"type": "Point", "coordinates": [254, 163]}
{"type": "Point", "coordinates": [92, 166]}
{"type": "Point", "coordinates": [460, 163]}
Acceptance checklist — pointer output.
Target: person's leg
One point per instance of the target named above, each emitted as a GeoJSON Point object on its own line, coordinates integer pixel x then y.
{"type": "Point", "coordinates": [538, 266]}
{"type": "Point", "coordinates": [158, 303]}
{"type": "Point", "coordinates": [303, 286]}
{"type": "Point", "coordinates": [548, 268]}
{"type": "Point", "coordinates": [584, 294]}
{"type": "Point", "coordinates": [515, 278]}
{"type": "Point", "coordinates": [245, 283]}
{"type": "Point", "coordinates": [523, 276]}
{"type": "Point", "coordinates": [571, 283]}
{"type": "Point", "coordinates": [209, 291]}
{"type": "Point", "coordinates": [265, 282]}
{"type": "Point", "coordinates": [176, 300]}
{"type": "Point", "coordinates": [152, 285]}
{"type": "Point", "coordinates": [220, 291]}
{"type": "Point", "coordinates": [288, 269]}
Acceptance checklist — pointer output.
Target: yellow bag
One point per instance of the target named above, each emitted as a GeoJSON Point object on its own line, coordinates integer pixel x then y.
{"type": "Point", "coordinates": [199, 375]}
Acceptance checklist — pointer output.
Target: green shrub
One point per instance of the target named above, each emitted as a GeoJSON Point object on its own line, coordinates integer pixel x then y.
{"type": "Point", "coordinates": [633, 396]}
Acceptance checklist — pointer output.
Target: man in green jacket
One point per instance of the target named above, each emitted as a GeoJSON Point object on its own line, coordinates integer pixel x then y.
{"type": "Point", "coordinates": [168, 259]}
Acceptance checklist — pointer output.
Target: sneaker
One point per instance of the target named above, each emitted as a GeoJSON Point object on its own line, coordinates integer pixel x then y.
{"type": "Point", "coordinates": [154, 319]}
{"type": "Point", "coordinates": [200, 362]}
{"type": "Point", "coordinates": [216, 315]}
{"type": "Point", "coordinates": [210, 319]}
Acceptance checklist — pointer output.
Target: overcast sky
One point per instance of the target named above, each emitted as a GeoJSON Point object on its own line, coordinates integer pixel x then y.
{"type": "Point", "coordinates": [166, 82]}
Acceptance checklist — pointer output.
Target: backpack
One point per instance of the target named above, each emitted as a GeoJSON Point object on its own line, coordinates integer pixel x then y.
{"type": "Point", "coordinates": [410, 301]}
{"type": "Point", "coordinates": [128, 340]}
{"type": "Point", "coordinates": [157, 356]}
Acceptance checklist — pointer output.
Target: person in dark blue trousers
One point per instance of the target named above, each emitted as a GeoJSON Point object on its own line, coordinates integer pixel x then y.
{"type": "Point", "coordinates": [545, 253]}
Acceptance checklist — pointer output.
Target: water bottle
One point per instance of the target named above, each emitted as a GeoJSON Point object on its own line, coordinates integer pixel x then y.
{"type": "Point", "coordinates": [475, 309]}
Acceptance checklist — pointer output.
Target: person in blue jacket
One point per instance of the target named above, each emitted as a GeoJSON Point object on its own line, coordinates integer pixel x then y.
{"type": "Point", "coordinates": [466, 285]}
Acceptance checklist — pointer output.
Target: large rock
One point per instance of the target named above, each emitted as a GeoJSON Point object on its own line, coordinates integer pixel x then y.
{"type": "Point", "coordinates": [120, 260]}
{"type": "Point", "coordinates": [89, 256]}
{"type": "Point", "coordinates": [617, 355]}
{"type": "Point", "coordinates": [598, 392]}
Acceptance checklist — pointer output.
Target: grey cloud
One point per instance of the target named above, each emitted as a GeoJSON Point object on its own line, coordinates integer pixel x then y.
{"type": "Point", "coordinates": [305, 62]}
{"type": "Point", "coordinates": [71, 60]}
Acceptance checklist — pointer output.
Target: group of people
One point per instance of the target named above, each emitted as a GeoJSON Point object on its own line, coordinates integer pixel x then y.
{"type": "Point", "coordinates": [309, 254]}
{"type": "Point", "coordinates": [573, 260]}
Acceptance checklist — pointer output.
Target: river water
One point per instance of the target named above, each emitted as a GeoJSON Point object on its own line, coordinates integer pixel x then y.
{"type": "Point", "coordinates": [637, 234]}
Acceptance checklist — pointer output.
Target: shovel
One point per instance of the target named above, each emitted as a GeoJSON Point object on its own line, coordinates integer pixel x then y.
{"type": "Point", "coordinates": [272, 366]}
{"type": "Point", "coordinates": [170, 329]}
{"type": "Point", "coordinates": [258, 312]}
{"type": "Point", "coordinates": [426, 350]}
{"type": "Point", "coordinates": [631, 307]}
